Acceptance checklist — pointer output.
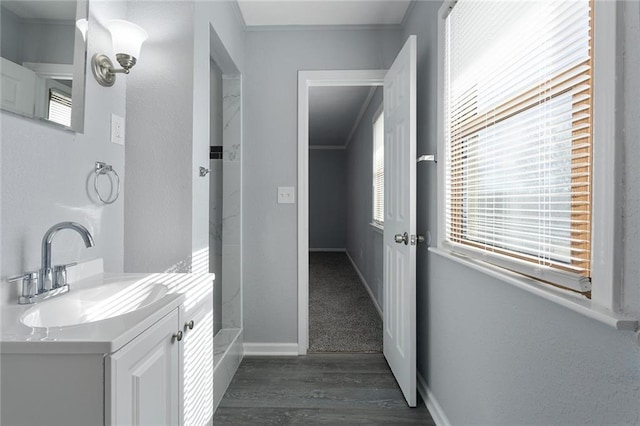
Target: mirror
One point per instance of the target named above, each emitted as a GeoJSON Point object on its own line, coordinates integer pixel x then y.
{"type": "Point", "coordinates": [43, 54]}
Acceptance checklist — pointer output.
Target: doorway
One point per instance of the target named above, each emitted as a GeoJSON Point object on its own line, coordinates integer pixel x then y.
{"type": "Point", "coordinates": [345, 251]}
{"type": "Point", "coordinates": [306, 81]}
{"type": "Point", "coordinates": [399, 237]}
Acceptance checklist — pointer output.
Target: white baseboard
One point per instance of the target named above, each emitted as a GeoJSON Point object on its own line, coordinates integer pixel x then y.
{"type": "Point", "coordinates": [366, 286]}
{"type": "Point", "coordinates": [271, 349]}
{"type": "Point", "coordinates": [327, 250]}
{"type": "Point", "coordinates": [436, 411]}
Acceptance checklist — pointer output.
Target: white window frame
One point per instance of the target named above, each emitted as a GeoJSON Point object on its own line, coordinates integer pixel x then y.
{"type": "Point", "coordinates": [376, 116]}
{"type": "Point", "coordinates": [605, 301]}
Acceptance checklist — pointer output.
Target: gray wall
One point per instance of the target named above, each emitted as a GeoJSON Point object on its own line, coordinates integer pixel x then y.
{"type": "Point", "coordinates": [48, 42]}
{"type": "Point", "coordinates": [364, 242]}
{"type": "Point", "coordinates": [46, 175]}
{"type": "Point", "coordinates": [272, 61]}
{"type": "Point", "coordinates": [36, 41]}
{"type": "Point", "coordinates": [10, 31]}
{"type": "Point", "coordinates": [327, 199]}
{"type": "Point", "coordinates": [494, 354]}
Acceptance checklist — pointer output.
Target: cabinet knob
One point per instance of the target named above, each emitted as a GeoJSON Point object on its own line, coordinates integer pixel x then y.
{"type": "Point", "coordinates": [190, 325]}
{"type": "Point", "coordinates": [178, 335]}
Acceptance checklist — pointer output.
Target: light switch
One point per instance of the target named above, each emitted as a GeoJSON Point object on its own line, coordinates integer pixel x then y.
{"type": "Point", "coordinates": [286, 195]}
{"type": "Point", "coordinates": [117, 129]}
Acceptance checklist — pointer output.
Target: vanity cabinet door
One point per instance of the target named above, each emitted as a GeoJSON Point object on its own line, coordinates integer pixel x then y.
{"type": "Point", "coordinates": [198, 363]}
{"type": "Point", "coordinates": [143, 377]}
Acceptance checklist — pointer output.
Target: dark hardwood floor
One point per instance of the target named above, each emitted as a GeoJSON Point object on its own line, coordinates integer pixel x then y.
{"type": "Point", "coordinates": [315, 389]}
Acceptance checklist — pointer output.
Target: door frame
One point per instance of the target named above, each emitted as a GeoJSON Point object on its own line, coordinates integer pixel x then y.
{"type": "Point", "coordinates": [307, 79]}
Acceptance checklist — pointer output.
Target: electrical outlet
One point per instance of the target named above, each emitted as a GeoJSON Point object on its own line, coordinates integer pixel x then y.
{"type": "Point", "coordinates": [117, 129]}
{"type": "Point", "coordinates": [286, 195]}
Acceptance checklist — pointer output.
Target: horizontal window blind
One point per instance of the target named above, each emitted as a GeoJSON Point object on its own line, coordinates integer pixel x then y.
{"type": "Point", "coordinates": [378, 170]}
{"type": "Point", "coordinates": [59, 107]}
{"type": "Point", "coordinates": [518, 135]}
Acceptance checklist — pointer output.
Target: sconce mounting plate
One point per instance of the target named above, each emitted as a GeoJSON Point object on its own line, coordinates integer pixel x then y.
{"type": "Point", "coordinates": [102, 66]}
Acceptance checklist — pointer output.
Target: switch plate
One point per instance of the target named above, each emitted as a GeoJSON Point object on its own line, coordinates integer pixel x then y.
{"type": "Point", "coordinates": [286, 195]}
{"type": "Point", "coordinates": [117, 129]}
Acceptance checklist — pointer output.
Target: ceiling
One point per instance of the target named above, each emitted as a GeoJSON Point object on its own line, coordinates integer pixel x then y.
{"type": "Point", "coordinates": [334, 112]}
{"type": "Point", "coordinates": [323, 12]}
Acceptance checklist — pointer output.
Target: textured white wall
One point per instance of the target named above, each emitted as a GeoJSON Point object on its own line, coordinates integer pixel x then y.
{"type": "Point", "coordinates": [272, 61]}
{"type": "Point", "coordinates": [494, 354]}
{"type": "Point", "coordinates": [46, 174]}
{"type": "Point", "coordinates": [159, 139]}
{"type": "Point", "coordinates": [167, 203]}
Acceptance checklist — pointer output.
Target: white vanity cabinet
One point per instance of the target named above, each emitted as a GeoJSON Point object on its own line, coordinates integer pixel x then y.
{"type": "Point", "coordinates": [142, 380]}
{"type": "Point", "coordinates": [128, 369]}
{"type": "Point", "coordinates": [160, 380]}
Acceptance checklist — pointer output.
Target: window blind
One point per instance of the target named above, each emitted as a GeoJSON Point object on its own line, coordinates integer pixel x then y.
{"type": "Point", "coordinates": [518, 135]}
{"type": "Point", "coordinates": [378, 170]}
{"type": "Point", "coordinates": [59, 107]}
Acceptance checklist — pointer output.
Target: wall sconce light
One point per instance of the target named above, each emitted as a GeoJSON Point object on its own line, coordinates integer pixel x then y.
{"type": "Point", "coordinates": [127, 40]}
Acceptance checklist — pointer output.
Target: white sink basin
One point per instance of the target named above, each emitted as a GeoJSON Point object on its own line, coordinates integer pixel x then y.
{"type": "Point", "coordinates": [93, 304]}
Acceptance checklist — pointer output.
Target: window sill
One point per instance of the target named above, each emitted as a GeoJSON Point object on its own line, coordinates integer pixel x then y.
{"type": "Point", "coordinates": [379, 229]}
{"type": "Point", "coordinates": [566, 298]}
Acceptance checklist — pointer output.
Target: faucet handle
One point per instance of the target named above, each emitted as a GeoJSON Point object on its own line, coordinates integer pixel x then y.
{"type": "Point", "coordinates": [29, 283]}
{"type": "Point", "coordinates": [25, 276]}
{"type": "Point", "coordinates": [60, 274]}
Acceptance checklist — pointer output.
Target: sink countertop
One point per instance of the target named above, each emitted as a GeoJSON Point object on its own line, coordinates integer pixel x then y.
{"type": "Point", "coordinates": [106, 335]}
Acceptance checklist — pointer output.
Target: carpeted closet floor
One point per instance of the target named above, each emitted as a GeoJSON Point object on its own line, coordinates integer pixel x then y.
{"type": "Point", "coordinates": [342, 317]}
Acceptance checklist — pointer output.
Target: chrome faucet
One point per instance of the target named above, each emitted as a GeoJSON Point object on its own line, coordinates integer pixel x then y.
{"type": "Point", "coordinates": [51, 278]}
{"type": "Point", "coordinates": [49, 281]}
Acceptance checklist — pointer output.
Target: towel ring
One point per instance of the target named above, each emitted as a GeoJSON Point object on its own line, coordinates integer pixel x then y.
{"type": "Point", "coordinates": [104, 169]}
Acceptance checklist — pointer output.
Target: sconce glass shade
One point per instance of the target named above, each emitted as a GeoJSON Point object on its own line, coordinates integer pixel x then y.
{"type": "Point", "coordinates": [83, 25]}
{"type": "Point", "coordinates": [127, 37]}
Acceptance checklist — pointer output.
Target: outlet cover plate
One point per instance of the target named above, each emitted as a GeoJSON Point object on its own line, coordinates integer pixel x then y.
{"type": "Point", "coordinates": [286, 195]}
{"type": "Point", "coordinates": [117, 129]}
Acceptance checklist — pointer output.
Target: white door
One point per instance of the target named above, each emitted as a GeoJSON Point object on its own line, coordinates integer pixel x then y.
{"type": "Point", "coordinates": [17, 87]}
{"type": "Point", "coordinates": [400, 219]}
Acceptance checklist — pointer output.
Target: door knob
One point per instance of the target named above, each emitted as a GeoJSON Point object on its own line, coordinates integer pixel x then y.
{"type": "Point", "coordinates": [402, 238]}
{"type": "Point", "coordinates": [178, 335]}
{"type": "Point", "coordinates": [190, 325]}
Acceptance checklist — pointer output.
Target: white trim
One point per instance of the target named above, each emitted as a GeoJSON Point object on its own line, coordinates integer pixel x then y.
{"type": "Point", "coordinates": [239, 16]}
{"type": "Point", "coordinates": [363, 110]}
{"type": "Point", "coordinates": [606, 234]}
{"type": "Point", "coordinates": [331, 147]}
{"type": "Point", "coordinates": [327, 250]}
{"type": "Point", "coordinates": [47, 70]}
{"type": "Point", "coordinates": [439, 236]}
{"type": "Point", "coordinates": [270, 349]}
{"type": "Point", "coordinates": [435, 409]}
{"type": "Point", "coordinates": [571, 300]}
{"type": "Point", "coordinates": [308, 79]}
{"type": "Point", "coordinates": [366, 286]}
